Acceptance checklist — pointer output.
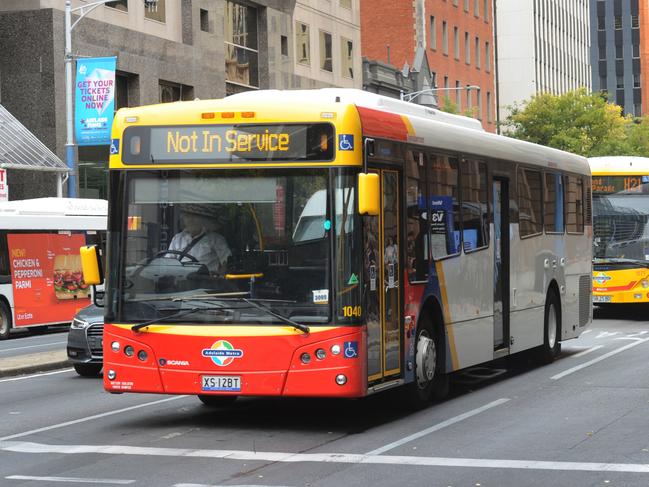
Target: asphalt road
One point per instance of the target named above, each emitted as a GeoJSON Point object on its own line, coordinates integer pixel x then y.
{"type": "Point", "coordinates": [581, 421]}
{"type": "Point", "coordinates": [23, 341]}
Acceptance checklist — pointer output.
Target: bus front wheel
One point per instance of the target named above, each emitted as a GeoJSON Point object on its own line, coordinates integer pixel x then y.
{"type": "Point", "coordinates": [430, 380]}
{"type": "Point", "coordinates": [551, 347]}
{"type": "Point", "coordinates": [5, 321]}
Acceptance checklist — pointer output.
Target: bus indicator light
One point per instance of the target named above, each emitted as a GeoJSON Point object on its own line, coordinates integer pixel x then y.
{"type": "Point", "coordinates": [341, 379]}
{"type": "Point", "coordinates": [115, 346]}
{"type": "Point", "coordinates": [247, 114]}
{"type": "Point", "coordinates": [335, 349]}
{"type": "Point", "coordinates": [305, 358]}
{"type": "Point", "coordinates": [227, 115]}
{"type": "Point", "coordinates": [208, 115]}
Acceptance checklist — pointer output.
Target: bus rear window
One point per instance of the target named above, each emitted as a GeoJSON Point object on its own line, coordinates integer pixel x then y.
{"type": "Point", "coordinates": [205, 144]}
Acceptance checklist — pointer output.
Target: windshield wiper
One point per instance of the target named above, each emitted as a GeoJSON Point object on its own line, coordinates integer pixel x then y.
{"type": "Point", "coordinates": [179, 314]}
{"type": "Point", "coordinates": [621, 261]}
{"type": "Point", "coordinates": [298, 326]}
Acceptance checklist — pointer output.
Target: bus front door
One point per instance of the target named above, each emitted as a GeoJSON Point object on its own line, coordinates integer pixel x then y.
{"type": "Point", "coordinates": [501, 262]}
{"type": "Point", "coordinates": [382, 269]}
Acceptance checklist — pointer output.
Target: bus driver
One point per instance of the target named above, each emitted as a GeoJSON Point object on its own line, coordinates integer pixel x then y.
{"type": "Point", "coordinates": [199, 239]}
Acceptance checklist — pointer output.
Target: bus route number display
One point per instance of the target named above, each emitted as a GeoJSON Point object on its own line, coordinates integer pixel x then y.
{"type": "Point", "coordinates": [621, 184]}
{"type": "Point", "coordinates": [228, 143]}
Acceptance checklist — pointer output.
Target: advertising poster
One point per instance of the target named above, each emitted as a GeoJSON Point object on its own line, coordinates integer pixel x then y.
{"type": "Point", "coordinates": [46, 277]}
{"type": "Point", "coordinates": [94, 100]}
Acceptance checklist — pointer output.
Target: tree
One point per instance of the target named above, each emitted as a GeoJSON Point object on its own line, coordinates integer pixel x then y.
{"type": "Point", "coordinates": [577, 121]}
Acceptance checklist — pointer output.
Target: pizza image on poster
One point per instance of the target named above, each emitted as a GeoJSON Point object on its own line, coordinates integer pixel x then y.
{"type": "Point", "coordinates": [46, 277]}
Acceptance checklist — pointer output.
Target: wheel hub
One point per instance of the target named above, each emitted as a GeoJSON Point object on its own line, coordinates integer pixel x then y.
{"type": "Point", "coordinates": [426, 358]}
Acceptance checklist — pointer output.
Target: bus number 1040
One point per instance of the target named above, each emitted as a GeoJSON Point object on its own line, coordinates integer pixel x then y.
{"type": "Point", "coordinates": [352, 311]}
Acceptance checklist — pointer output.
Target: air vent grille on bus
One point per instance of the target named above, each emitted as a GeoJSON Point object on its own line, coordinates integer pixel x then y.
{"type": "Point", "coordinates": [589, 205]}
{"type": "Point", "coordinates": [585, 299]}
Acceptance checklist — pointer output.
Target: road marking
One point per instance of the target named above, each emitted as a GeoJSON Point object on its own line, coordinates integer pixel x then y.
{"type": "Point", "coordinates": [357, 459]}
{"type": "Point", "coordinates": [73, 480]}
{"type": "Point", "coordinates": [588, 350]}
{"type": "Point", "coordinates": [598, 359]}
{"type": "Point", "coordinates": [89, 418]}
{"type": "Point", "coordinates": [30, 346]}
{"type": "Point", "coordinates": [437, 427]}
{"type": "Point", "coordinates": [210, 485]}
{"type": "Point", "coordinates": [23, 377]}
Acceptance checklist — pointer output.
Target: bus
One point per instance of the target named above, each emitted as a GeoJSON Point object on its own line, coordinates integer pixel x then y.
{"type": "Point", "coordinates": [621, 233]}
{"type": "Point", "coordinates": [371, 244]}
{"type": "Point", "coordinates": [41, 282]}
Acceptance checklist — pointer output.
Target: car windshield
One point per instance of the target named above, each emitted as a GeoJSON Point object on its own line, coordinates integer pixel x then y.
{"type": "Point", "coordinates": [620, 216]}
{"type": "Point", "coordinates": [225, 237]}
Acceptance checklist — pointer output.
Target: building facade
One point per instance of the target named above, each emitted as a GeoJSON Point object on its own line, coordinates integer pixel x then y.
{"type": "Point", "coordinates": [456, 37]}
{"type": "Point", "coordinates": [176, 50]}
{"type": "Point", "coordinates": [616, 52]}
{"type": "Point", "coordinates": [543, 46]}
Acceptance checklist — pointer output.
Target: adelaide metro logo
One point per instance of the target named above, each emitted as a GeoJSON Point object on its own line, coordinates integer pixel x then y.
{"type": "Point", "coordinates": [222, 353]}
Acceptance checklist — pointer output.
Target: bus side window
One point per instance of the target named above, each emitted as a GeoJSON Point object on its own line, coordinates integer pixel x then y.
{"type": "Point", "coordinates": [416, 231]}
{"type": "Point", "coordinates": [444, 218]}
{"type": "Point", "coordinates": [529, 202]}
{"type": "Point", "coordinates": [553, 203]}
{"type": "Point", "coordinates": [5, 272]}
{"type": "Point", "coordinates": [475, 224]}
{"type": "Point", "coordinates": [574, 205]}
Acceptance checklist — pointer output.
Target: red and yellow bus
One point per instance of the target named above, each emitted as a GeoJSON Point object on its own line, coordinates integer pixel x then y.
{"type": "Point", "coordinates": [358, 243]}
{"type": "Point", "coordinates": [621, 232]}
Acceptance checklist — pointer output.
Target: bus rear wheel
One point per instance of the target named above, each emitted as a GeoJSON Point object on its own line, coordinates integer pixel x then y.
{"type": "Point", "coordinates": [5, 321]}
{"type": "Point", "coordinates": [551, 347]}
{"type": "Point", "coordinates": [216, 401]}
{"type": "Point", "coordinates": [430, 382]}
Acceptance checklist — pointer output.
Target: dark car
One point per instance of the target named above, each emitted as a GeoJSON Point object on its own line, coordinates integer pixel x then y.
{"type": "Point", "coordinates": [85, 347]}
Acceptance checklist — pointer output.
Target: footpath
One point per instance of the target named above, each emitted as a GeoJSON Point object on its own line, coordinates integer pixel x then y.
{"type": "Point", "coordinates": [34, 362]}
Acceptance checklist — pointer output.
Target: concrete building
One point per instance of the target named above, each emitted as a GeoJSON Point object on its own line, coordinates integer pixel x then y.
{"type": "Point", "coordinates": [178, 50]}
{"type": "Point", "coordinates": [543, 46]}
{"type": "Point", "coordinates": [454, 36]}
{"type": "Point", "coordinates": [616, 51]}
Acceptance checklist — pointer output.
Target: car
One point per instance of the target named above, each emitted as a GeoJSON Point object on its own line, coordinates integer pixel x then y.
{"type": "Point", "coordinates": [85, 347]}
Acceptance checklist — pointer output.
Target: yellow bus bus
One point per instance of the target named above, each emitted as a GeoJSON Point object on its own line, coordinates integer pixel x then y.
{"type": "Point", "coordinates": [621, 233]}
{"type": "Point", "coordinates": [333, 243]}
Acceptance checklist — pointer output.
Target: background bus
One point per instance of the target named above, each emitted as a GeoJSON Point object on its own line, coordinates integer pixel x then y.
{"type": "Point", "coordinates": [40, 273]}
{"type": "Point", "coordinates": [621, 233]}
{"type": "Point", "coordinates": [480, 247]}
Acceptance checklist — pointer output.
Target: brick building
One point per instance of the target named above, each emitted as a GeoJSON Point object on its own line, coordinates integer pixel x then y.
{"type": "Point", "coordinates": [456, 37]}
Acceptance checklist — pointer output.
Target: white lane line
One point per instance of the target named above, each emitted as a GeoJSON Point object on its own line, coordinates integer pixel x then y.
{"type": "Point", "coordinates": [437, 427]}
{"type": "Point", "coordinates": [89, 418]}
{"type": "Point", "coordinates": [598, 359]}
{"type": "Point", "coordinates": [238, 485]}
{"type": "Point", "coordinates": [71, 480]}
{"type": "Point", "coordinates": [588, 350]}
{"type": "Point", "coordinates": [30, 346]}
{"type": "Point", "coordinates": [23, 377]}
{"type": "Point", "coordinates": [358, 459]}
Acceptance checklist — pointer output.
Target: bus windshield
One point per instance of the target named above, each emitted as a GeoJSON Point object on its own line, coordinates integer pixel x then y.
{"type": "Point", "coordinates": [225, 239]}
{"type": "Point", "coordinates": [620, 216]}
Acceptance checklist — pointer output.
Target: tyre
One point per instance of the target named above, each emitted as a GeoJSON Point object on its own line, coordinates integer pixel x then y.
{"type": "Point", "coordinates": [88, 370]}
{"type": "Point", "coordinates": [430, 381]}
{"type": "Point", "coordinates": [551, 347]}
{"type": "Point", "coordinates": [5, 321]}
{"type": "Point", "coordinates": [216, 401]}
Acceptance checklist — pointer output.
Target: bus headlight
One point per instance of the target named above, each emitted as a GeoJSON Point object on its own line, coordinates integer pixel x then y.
{"type": "Point", "coordinates": [115, 346]}
{"type": "Point", "coordinates": [645, 283]}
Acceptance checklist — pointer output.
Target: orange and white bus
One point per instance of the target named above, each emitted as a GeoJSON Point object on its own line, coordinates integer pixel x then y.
{"type": "Point", "coordinates": [621, 232]}
{"type": "Point", "coordinates": [360, 243]}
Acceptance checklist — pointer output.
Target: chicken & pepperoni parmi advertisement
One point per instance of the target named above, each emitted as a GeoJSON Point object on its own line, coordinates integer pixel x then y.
{"type": "Point", "coordinates": [46, 277]}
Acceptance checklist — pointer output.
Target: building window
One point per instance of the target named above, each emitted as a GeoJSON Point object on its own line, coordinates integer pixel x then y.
{"type": "Point", "coordinates": [346, 4]}
{"type": "Point", "coordinates": [476, 8]}
{"type": "Point", "coordinates": [347, 58]}
{"type": "Point", "coordinates": [620, 82]}
{"type": "Point", "coordinates": [326, 62]}
{"type": "Point", "coordinates": [490, 113]}
{"type": "Point", "coordinates": [466, 5]}
{"type": "Point", "coordinates": [283, 43]}
{"type": "Point", "coordinates": [205, 21]}
{"type": "Point", "coordinates": [433, 33]}
{"type": "Point", "coordinates": [477, 52]}
{"type": "Point", "coordinates": [635, 22]}
{"type": "Point", "coordinates": [619, 52]}
{"type": "Point", "coordinates": [467, 48]}
{"type": "Point", "coordinates": [303, 41]}
{"type": "Point", "coordinates": [487, 57]}
{"type": "Point", "coordinates": [119, 5]}
{"type": "Point", "coordinates": [636, 50]}
{"type": "Point", "coordinates": [458, 97]}
{"type": "Point", "coordinates": [444, 38]}
{"type": "Point", "coordinates": [636, 80]}
{"type": "Point", "coordinates": [479, 103]}
{"type": "Point", "coordinates": [602, 53]}
{"type": "Point", "coordinates": [485, 10]}
{"type": "Point", "coordinates": [601, 22]}
{"type": "Point", "coordinates": [241, 52]}
{"type": "Point", "coordinates": [456, 43]}
{"type": "Point", "coordinates": [618, 22]}
{"type": "Point", "coordinates": [170, 92]}
{"type": "Point", "coordinates": [156, 12]}
{"type": "Point", "coordinates": [126, 90]}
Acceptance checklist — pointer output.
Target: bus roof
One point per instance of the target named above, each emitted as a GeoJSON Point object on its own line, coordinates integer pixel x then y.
{"type": "Point", "coordinates": [54, 214]}
{"type": "Point", "coordinates": [416, 124]}
{"type": "Point", "coordinates": [619, 165]}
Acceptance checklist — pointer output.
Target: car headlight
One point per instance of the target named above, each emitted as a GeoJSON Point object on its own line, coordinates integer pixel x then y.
{"type": "Point", "coordinates": [79, 324]}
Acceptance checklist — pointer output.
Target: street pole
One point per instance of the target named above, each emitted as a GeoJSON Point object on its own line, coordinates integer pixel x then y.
{"type": "Point", "coordinates": [69, 143]}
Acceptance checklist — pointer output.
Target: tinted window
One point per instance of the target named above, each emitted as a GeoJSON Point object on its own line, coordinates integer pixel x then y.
{"type": "Point", "coordinates": [574, 205]}
{"type": "Point", "coordinates": [475, 224]}
{"type": "Point", "coordinates": [443, 201]}
{"type": "Point", "coordinates": [553, 203]}
{"type": "Point", "coordinates": [417, 231]}
{"type": "Point", "coordinates": [529, 202]}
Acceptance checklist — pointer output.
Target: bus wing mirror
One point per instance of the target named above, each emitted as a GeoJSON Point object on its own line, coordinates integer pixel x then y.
{"type": "Point", "coordinates": [93, 273]}
{"type": "Point", "coordinates": [368, 194]}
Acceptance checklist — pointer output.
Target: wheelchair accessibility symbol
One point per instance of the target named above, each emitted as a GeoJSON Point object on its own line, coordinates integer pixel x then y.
{"type": "Point", "coordinates": [351, 350]}
{"type": "Point", "coordinates": [345, 142]}
{"type": "Point", "coordinates": [114, 146]}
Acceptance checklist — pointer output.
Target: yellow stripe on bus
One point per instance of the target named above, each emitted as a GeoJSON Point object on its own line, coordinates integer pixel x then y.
{"type": "Point", "coordinates": [230, 331]}
{"type": "Point", "coordinates": [446, 315]}
{"type": "Point", "coordinates": [409, 127]}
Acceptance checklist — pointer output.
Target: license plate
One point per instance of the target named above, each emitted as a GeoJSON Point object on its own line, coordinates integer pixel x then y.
{"type": "Point", "coordinates": [221, 383]}
{"type": "Point", "coordinates": [601, 299]}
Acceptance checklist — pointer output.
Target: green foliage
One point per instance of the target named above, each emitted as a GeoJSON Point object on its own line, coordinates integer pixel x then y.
{"type": "Point", "coordinates": [579, 122]}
